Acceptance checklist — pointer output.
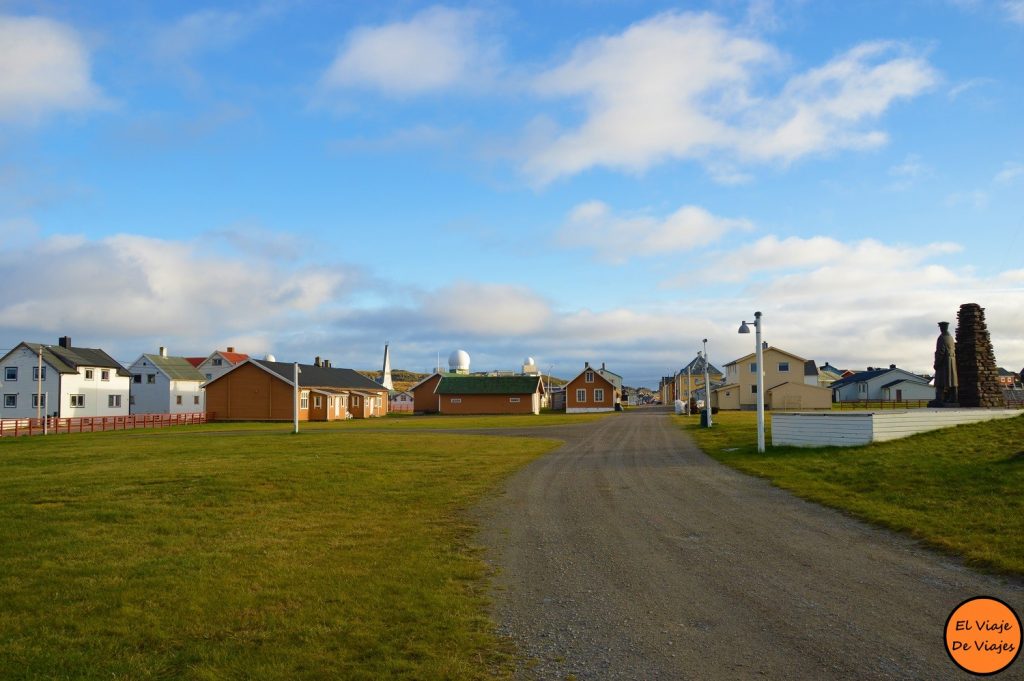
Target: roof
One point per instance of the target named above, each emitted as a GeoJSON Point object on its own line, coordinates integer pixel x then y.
{"type": "Point", "coordinates": [312, 376]}
{"type": "Point", "coordinates": [176, 368]}
{"type": "Point", "coordinates": [195, 361]}
{"type": "Point", "coordinates": [234, 357]}
{"type": "Point", "coordinates": [905, 380]}
{"type": "Point", "coordinates": [696, 366]}
{"type": "Point", "coordinates": [810, 368]}
{"type": "Point", "coordinates": [68, 360]}
{"type": "Point", "coordinates": [862, 376]}
{"type": "Point", "coordinates": [487, 385]}
{"type": "Point", "coordinates": [770, 347]}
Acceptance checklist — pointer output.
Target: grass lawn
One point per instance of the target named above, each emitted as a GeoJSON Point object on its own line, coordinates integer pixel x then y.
{"type": "Point", "coordinates": [188, 554]}
{"type": "Point", "coordinates": [959, 489]}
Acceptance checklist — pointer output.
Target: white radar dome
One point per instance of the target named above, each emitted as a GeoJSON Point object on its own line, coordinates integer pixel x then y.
{"type": "Point", "coordinates": [529, 361]}
{"type": "Point", "coordinates": [458, 361]}
{"type": "Point", "coordinates": [269, 358]}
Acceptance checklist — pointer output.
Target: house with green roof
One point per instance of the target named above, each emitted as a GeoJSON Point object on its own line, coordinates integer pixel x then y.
{"type": "Point", "coordinates": [62, 380]}
{"type": "Point", "coordinates": [163, 384]}
{"type": "Point", "coordinates": [453, 393]}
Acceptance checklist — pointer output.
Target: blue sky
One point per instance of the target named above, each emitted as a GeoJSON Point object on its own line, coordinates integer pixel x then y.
{"type": "Point", "coordinates": [575, 181]}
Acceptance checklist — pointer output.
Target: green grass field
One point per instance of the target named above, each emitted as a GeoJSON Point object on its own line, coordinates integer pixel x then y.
{"type": "Point", "coordinates": [206, 553]}
{"type": "Point", "coordinates": [959, 489]}
{"type": "Point", "coordinates": [427, 422]}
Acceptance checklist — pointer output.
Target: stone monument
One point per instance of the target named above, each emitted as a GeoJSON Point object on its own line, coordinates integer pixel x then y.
{"type": "Point", "coordinates": [946, 379]}
{"type": "Point", "coordinates": [975, 361]}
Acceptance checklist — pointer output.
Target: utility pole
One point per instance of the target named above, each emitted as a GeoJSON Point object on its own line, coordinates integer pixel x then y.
{"type": "Point", "coordinates": [39, 384]}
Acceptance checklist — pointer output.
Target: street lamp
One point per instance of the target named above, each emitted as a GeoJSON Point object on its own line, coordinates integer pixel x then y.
{"type": "Point", "coordinates": [707, 386]}
{"type": "Point", "coordinates": [760, 378]}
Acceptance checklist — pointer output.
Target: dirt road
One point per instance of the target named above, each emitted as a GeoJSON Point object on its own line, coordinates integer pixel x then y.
{"type": "Point", "coordinates": [629, 554]}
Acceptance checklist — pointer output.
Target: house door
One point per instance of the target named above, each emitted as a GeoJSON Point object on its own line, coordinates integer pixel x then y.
{"type": "Point", "coordinates": [899, 395]}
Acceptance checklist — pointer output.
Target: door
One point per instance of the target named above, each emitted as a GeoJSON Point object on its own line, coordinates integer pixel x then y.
{"type": "Point", "coordinates": [899, 395]}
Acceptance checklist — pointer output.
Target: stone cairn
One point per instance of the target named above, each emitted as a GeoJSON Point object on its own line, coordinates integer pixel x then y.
{"type": "Point", "coordinates": [975, 361]}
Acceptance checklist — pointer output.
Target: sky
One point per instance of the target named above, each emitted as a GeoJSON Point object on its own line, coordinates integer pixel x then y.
{"type": "Point", "coordinates": [571, 180]}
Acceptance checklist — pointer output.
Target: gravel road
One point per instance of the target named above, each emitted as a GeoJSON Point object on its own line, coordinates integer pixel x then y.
{"type": "Point", "coordinates": [629, 554]}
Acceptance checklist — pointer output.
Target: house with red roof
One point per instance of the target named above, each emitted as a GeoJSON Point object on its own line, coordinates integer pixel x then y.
{"type": "Point", "coordinates": [219, 363]}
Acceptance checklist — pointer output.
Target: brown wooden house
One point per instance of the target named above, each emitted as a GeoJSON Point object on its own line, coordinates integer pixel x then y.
{"type": "Point", "coordinates": [259, 390]}
{"type": "Point", "coordinates": [478, 394]}
{"type": "Point", "coordinates": [590, 391]}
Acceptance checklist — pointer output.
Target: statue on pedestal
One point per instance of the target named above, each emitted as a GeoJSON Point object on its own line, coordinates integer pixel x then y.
{"type": "Point", "coordinates": [946, 381]}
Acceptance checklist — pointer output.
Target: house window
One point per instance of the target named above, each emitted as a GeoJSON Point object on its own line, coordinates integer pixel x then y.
{"type": "Point", "coordinates": [10, 373]}
{"type": "Point", "coordinates": [195, 399]}
{"type": "Point", "coordinates": [10, 401]}
{"type": "Point", "coordinates": [753, 367]}
{"type": "Point", "coordinates": [379, 402]}
{"type": "Point", "coordinates": [137, 378]}
{"type": "Point", "coordinates": [114, 401]}
{"type": "Point", "coordinates": [783, 367]}
{"type": "Point", "coordinates": [513, 400]}
{"type": "Point", "coordinates": [177, 399]}
{"type": "Point", "coordinates": [355, 400]}
{"type": "Point", "coordinates": [105, 374]}
{"type": "Point", "coordinates": [304, 400]}
{"type": "Point", "coordinates": [35, 400]}
{"type": "Point", "coordinates": [599, 394]}
{"type": "Point", "coordinates": [316, 401]}
{"type": "Point", "coordinates": [209, 376]}
{"type": "Point", "coordinates": [456, 400]}
{"type": "Point", "coordinates": [862, 388]}
{"type": "Point", "coordinates": [35, 373]}
{"type": "Point", "coordinates": [151, 378]}
{"type": "Point", "coordinates": [77, 400]}
{"type": "Point", "coordinates": [753, 389]}
{"type": "Point", "coordinates": [589, 378]}
{"type": "Point", "coordinates": [89, 374]}
{"type": "Point", "coordinates": [581, 395]}
{"type": "Point", "coordinates": [218, 362]}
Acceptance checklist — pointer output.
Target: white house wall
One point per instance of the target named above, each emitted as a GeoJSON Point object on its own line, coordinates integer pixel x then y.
{"type": "Point", "coordinates": [25, 387]}
{"type": "Point", "coordinates": [96, 392]}
{"type": "Point", "coordinates": [149, 398]}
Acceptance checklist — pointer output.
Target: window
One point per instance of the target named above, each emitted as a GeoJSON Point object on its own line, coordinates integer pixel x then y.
{"type": "Point", "coordinates": [753, 389]}
{"type": "Point", "coordinates": [35, 400]}
{"type": "Point", "coordinates": [589, 378]}
{"type": "Point", "coordinates": [77, 400]}
{"type": "Point", "coordinates": [131, 399]}
{"type": "Point", "coordinates": [10, 401]}
{"type": "Point", "coordinates": [355, 400]}
{"type": "Point", "coordinates": [379, 401]}
{"type": "Point", "coordinates": [177, 399]}
{"type": "Point", "coordinates": [599, 394]}
{"type": "Point", "coordinates": [105, 374]}
{"type": "Point", "coordinates": [783, 367]}
{"type": "Point", "coordinates": [10, 373]}
{"type": "Point", "coordinates": [304, 400]}
{"type": "Point", "coordinates": [35, 373]}
{"type": "Point", "coordinates": [753, 367]}
{"type": "Point", "coordinates": [209, 376]}
{"type": "Point", "coordinates": [456, 400]}
{"type": "Point", "coordinates": [218, 362]}
{"type": "Point", "coordinates": [195, 399]}
{"type": "Point", "coordinates": [114, 401]}
{"type": "Point", "coordinates": [89, 374]}
{"type": "Point", "coordinates": [150, 378]}
{"type": "Point", "coordinates": [316, 401]}
{"type": "Point", "coordinates": [862, 388]}
{"type": "Point", "coordinates": [513, 400]}
{"type": "Point", "coordinates": [137, 378]}
{"type": "Point", "coordinates": [581, 395]}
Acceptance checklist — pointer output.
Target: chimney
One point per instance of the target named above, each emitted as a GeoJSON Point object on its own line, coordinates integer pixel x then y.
{"type": "Point", "coordinates": [327, 363]}
{"type": "Point", "coordinates": [230, 349]}
{"type": "Point", "coordinates": [871, 368]}
{"type": "Point", "coordinates": [586, 365]}
{"type": "Point", "coordinates": [602, 366]}
{"type": "Point", "coordinates": [316, 361]}
{"type": "Point", "coordinates": [65, 341]}
{"type": "Point", "coordinates": [163, 351]}
{"type": "Point", "coordinates": [892, 366]}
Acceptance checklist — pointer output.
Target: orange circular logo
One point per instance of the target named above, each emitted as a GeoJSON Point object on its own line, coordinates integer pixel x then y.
{"type": "Point", "coordinates": [983, 635]}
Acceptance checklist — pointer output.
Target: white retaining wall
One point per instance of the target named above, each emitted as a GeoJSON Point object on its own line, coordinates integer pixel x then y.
{"type": "Point", "coordinates": [860, 428]}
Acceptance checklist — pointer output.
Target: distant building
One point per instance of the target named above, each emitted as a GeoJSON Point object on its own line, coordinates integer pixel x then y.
{"type": "Point", "coordinates": [690, 379]}
{"type": "Point", "coordinates": [74, 382]}
{"type": "Point", "coordinates": [219, 363]}
{"type": "Point", "coordinates": [786, 383]}
{"type": "Point", "coordinates": [592, 390]}
{"type": "Point", "coordinates": [162, 384]}
{"type": "Point", "coordinates": [890, 384]}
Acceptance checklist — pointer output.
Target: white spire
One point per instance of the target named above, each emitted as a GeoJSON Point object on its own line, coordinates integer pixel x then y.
{"type": "Point", "coordinates": [385, 379]}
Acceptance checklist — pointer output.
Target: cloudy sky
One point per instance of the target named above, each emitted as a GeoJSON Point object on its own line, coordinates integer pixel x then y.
{"type": "Point", "coordinates": [575, 180]}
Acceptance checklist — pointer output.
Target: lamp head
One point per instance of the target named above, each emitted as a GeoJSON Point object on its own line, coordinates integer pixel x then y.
{"type": "Point", "coordinates": [744, 328]}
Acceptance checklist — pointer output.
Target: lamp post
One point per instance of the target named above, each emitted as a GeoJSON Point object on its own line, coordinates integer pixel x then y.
{"type": "Point", "coordinates": [707, 388]}
{"type": "Point", "coordinates": [759, 358]}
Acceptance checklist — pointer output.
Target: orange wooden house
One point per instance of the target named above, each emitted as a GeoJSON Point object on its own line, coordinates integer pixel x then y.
{"type": "Point", "coordinates": [259, 390]}
{"type": "Point", "coordinates": [590, 391]}
{"type": "Point", "coordinates": [478, 394]}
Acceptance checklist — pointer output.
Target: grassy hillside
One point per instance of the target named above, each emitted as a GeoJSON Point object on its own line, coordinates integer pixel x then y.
{"type": "Point", "coordinates": [958, 489]}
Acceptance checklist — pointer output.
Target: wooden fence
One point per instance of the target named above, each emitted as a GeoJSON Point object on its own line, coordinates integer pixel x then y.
{"type": "Point", "coordinates": [95, 424]}
{"type": "Point", "coordinates": [880, 404]}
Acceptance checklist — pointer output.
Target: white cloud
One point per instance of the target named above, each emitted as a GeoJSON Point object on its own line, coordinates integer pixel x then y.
{"type": "Point", "coordinates": [437, 49]}
{"type": "Point", "coordinates": [1014, 10]}
{"type": "Point", "coordinates": [485, 309]}
{"type": "Point", "coordinates": [44, 68]}
{"type": "Point", "coordinates": [908, 173]}
{"type": "Point", "coordinates": [681, 86]}
{"type": "Point", "coordinates": [1010, 173]}
{"type": "Point", "coordinates": [965, 86]}
{"type": "Point", "coordinates": [977, 199]}
{"type": "Point", "coordinates": [617, 238]}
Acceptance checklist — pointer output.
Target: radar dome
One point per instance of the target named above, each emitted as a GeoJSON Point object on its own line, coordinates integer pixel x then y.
{"type": "Point", "coordinates": [458, 361]}
{"type": "Point", "coordinates": [269, 358]}
{"type": "Point", "coordinates": [529, 361]}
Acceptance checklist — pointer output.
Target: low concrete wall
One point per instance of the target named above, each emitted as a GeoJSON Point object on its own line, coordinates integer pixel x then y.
{"type": "Point", "coordinates": [848, 429]}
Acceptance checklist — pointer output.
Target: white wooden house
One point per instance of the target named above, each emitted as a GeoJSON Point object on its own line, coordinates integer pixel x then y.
{"type": "Point", "coordinates": [166, 385]}
{"type": "Point", "coordinates": [220, 362]}
{"type": "Point", "coordinates": [882, 384]}
{"type": "Point", "coordinates": [74, 382]}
